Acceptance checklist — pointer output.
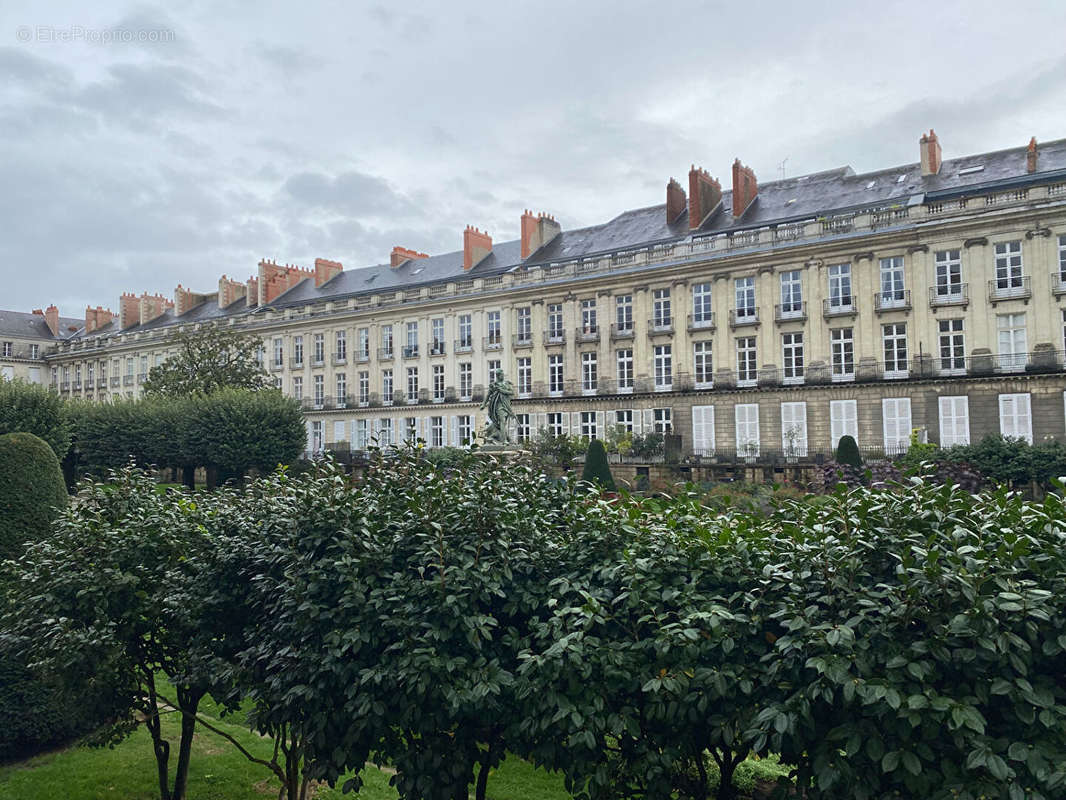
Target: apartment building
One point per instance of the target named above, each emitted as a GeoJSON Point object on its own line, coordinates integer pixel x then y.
{"type": "Point", "coordinates": [757, 321]}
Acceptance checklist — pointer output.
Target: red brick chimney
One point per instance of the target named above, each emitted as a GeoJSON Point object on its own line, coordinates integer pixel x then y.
{"type": "Point", "coordinates": [276, 279]}
{"type": "Point", "coordinates": [326, 270]}
{"type": "Point", "coordinates": [537, 231]}
{"type": "Point", "coordinates": [229, 291]}
{"type": "Point", "coordinates": [153, 306]}
{"type": "Point", "coordinates": [476, 246]}
{"type": "Point", "coordinates": [186, 300]}
{"type": "Point", "coordinates": [253, 292]}
{"type": "Point", "coordinates": [401, 255]}
{"type": "Point", "coordinates": [1030, 156]}
{"type": "Point", "coordinates": [96, 318]}
{"type": "Point", "coordinates": [745, 188]}
{"type": "Point", "coordinates": [129, 311]}
{"type": "Point", "coordinates": [929, 146]}
{"type": "Point", "coordinates": [51, 316]}
{"type": "Point", "coordinates": [675, 201]}
{"type": "Point", "coordinates": [704, 196]}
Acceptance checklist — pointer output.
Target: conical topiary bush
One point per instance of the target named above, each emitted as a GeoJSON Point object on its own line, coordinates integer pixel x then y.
{"type": "Point", "coordinates": [596, 468]}
{"type": "Point", "coordinates": [848, 452]}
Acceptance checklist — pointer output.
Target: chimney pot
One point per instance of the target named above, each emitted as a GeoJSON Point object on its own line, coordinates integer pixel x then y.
{"type": "Point", "coordinates": [704, 196]}
{"type": "Point", "coordinates": [1030, 156]}
{"type": "Point", "coordinates": [537, 230]}
{"type": "Point", "coordinates": [675, 200]}
{"type": "Point", "coordinates": [51, 317]}
{"type": "Point", "coordinates": [476, 247]}
{"type": "Point", "coordinates": [745, 188]}
{"type": "Point", "coordinates": [929, 146]}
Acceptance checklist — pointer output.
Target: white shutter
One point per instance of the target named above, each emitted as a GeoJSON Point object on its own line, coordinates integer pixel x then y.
{"type": "Point", "coordinates": [542, 422]}
{"type": "Point", "coordinates": [794, 429]}
{"type": "Point", "coordinates": [843, 421]}
{"type": "Point", "coordinates": [601, 425]}
{"type": "Point", "coordinates": [310, 437]}
{"type": "Point", "coordinates": [455, 432]}
{"type": "Point", "coordinates": [575, 423]}
{"type": "Point", "coordinates": [747, 428]}
{"type": "Point", "coordinates": [703, 430]}
{"type": "Point", "coordinates": [896, 423]}
{"type": "Point", "coordinates": [648, 423]}
{"type": "Point", "coordinates": [954, 421]}
{"type": "Point", "coordinates": [1015, 417]}
{"type": "Point", "coordinates": [338, 431]}
{"type": "Point", "coordinates": [375, 432]}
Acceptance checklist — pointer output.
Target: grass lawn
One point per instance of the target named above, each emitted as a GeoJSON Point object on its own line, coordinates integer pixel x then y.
{"type": "Point", "coordinates": [217, 772]}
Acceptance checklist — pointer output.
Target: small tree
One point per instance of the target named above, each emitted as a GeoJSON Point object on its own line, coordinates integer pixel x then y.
{"type": "Point", "coordinates": [596, 468]}
{"type": "Point", "coordinates": [29, 408]}
{"type": "Point", "coordinates": [848, 452]}
{"type": "Point", "coordinates": [207, 361]}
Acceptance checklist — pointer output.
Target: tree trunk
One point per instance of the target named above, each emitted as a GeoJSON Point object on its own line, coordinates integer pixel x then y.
{"type": "Point", "coordinates": [188, 702]}
{"type": "Point", "coordinates": [727, 766]}
{"type": "Point", "coordinates": [483, 774]}
{"type": "Point", "coordinates": [160, 746]}
{"type": "Point", "coordinates": [212, 478]}
{"type": "Point", "coordinates": [188, 475]}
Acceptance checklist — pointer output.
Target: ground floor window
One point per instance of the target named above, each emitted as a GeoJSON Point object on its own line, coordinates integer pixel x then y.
{"type": "Point", "coordinates": [522, 427]}
{"type": "Point", "coordinates": [1015, 416]}
{"type": "Point", "coordinates": [747, 425]}
{"type": "Point", "coordinates": [843, 421]}
{"type": "Point", "coordinates": [588, 425]}
{"type": "Point", "coordinates": [954, 420]}
{"type": "Point", "coordinates": [436, 431]}
{"type": "Point", "coordinates": [794, 429]}
{"type": "Point", "coordinates": [703, 430]}
{"type": "Point", "coordinates": [662, 419]}
{"type": "Point", "coordinates": [896, 423]}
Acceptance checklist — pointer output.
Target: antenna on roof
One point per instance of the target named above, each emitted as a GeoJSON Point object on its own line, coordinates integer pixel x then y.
{"type": "Point", "coordinates": [781, 167]}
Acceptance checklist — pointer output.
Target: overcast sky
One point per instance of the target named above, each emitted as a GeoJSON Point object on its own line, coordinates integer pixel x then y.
{"type": "Point", "coordinates": [230, 131]}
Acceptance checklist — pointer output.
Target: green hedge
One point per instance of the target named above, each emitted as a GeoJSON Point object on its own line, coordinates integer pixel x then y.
{"type": "Point", "coordinates": [596, 468]}
{"type": "Point", "coordinates": [30, 408]}
{"type": "Point", "coordinates": [31, 489]}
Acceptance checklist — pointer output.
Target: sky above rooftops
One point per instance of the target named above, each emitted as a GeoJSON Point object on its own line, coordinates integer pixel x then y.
{"type": "Point", "coordinates": [146, 146]}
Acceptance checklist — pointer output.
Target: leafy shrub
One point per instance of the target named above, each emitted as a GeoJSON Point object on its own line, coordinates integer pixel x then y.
{"type": "Point", "coordinates": [848, 451]}
{"type": "Point", "coordinates": [596, 468]}
{"type": "Point", "coordinates": [648, 445]}
{"type": "Point", "coordinates": [445, 457]}
{"type": "Point", "coordinates": [31, 490]}
{"type": "Point", "coordinates": [31, 408]}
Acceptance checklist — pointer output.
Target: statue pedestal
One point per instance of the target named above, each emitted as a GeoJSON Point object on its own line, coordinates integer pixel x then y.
{"type": "Point", "coordinates": [496, 449]}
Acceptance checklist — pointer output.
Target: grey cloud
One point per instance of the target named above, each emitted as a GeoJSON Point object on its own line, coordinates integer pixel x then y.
{"type": "Point", "coordinates": [346, 193]}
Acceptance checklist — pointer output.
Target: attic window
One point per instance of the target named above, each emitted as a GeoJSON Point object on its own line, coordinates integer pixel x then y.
{"type": "Point", "coordinates": [790, 202]}
{"type": "Point", "coordinates": [416, 271]}
{"type": "Point", "coordinates": [901, 178]}
{"type": "Point", "coordinates": [871, 184]}
{"type": "Point", "coordinates": [971, 170]}
{"type": "Point", "coordinates": [371, 278]}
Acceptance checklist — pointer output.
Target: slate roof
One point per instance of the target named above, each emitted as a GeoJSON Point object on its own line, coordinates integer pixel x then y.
{"type": "Point", "coordinates": [801, 198]}
{"type": "Point", "coordinates": [20, 325]}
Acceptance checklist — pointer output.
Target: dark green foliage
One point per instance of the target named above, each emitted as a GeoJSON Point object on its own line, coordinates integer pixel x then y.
{"type": "Point", "coordinates": [848, 452]}
{"type": "Point", "coordinates": [231, 431]}
{"type": "Point", "coordinates": [30, 408]}
{"type": "Point", "coordinates": [596, 469]}
{"type": "Point", "coordinates": [647, 446]}
{"type": "Point", "coordinates": [208, 361]}
{"type": "Point", "coordinates": [31, 491]}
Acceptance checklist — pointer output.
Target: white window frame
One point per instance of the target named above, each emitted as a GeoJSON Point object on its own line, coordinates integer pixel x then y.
{"type": "Point", "coordinates": [556, 375]}
{"type": "Point", "coordinates": [954, 420]}
{"type": "Point", "coordinates": [841, 293]}
{"type": "Point", "coordinates": [843, 421]}
{"type": "Point", "coordinates": [1012, 340]}
{"type": "Point", "coordinates": [747, 361]}
{"type": "Point", "coordinates": [663, 360]}
{"type": "Point", "coordinates": [948, 274]}
{"type": "Point", "coordinates": [703, 442]}
{"type": "Point", "coordinates": [589, 373]}
{"type": "Point", "coordinates": [791, 294]}
{"type": "Point", "coordinates": [794, 429]}
{"type": "Point", "coordinates": [746, 418]}
{"type": "Point", "coordinates": [524, 369]}
{"type": "Point", "coordinates": [624, 369]}
{"type": "Point", "coordinates": [744, 293]}
{"type": "Point", "coordinates": [792, 358]}
{"type": "Point", "coordinates": [703, 364]}
{"type": "Point", "coordinates": [896, 424]}
{"type": "Point", "coordinates": [842, 348]}
{"type": "Point", "coordinates": [893, 292]}
{"type": "Point", "coordinates": [1016, 416]}
{"type": "Point", "coordinates": [894, 349]}
{"type": "Point", "coordinates": [624, 312]}
{"type": "Point", "coordinates": [702, 305]}
{"type": "Point", "coordinates": [662, 420]}
{"type": "Point", "coordinates": [951, 343]}
{"type": "Point", "coordinates": [1010, 269]}
{"type": "Point", "coordinates": [662, 315]}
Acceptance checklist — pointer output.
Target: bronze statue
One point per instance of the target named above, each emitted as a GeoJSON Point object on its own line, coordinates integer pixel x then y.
{"type": "Point", "coordinates": [498, 406]}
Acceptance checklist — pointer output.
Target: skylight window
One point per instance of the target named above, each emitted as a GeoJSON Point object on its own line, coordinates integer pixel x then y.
{"type": "Point", "coordinates": [790, 202]}
{"type": "Point", "coordinates": [871, 184]}
{"type": "Point", "coordinates": [971, 170]}
{"type": "Point", "coordinates": [901, 178]}
{"type": "Point", "coordinates": [416, 271]}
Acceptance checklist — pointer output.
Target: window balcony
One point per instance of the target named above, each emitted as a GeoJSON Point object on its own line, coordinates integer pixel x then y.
{"type": "Point", "coordinates": [896, 300]}
{"type": "Point", "coordinates": [318, 362]}
{"type": "Point", "coordinates": [450, 395]}
{"type": "Point", "coordinates": [76, 386]}
{"type": "Point", "coordinates": [494, 342]}
{"type": "Point", "coordinates": [114, 382]}
{"type": "Point", "coordinates": [410, 351]}
{"type": "Point", "coordinates": [362, 356]}
{"type": "Point", "coordinates": [839, 307]}
{"type": "Point", "coordinates": [522, 340]}
{"type": "Point", "coordinates": [738, 317]}
{"type": "Point", "coordinates": [622, 332]}
{"type": "Point", "coordinates": [957, 294]}
{"type": "Point", "coordinates": [790, 312]}
{"type": "Point", "coordinates": [1058, 282]}
{"type": "Point", "coordinates": [340, 359]}
{"type": "Point", "coordinates": [385, 354]}
{"type": "Point", "coordinates": [464, 345]}
{"type": "Point", "coordinates": [556, 337]}
{"type": "Point", "coordinates": [663, 326]}
{"type": "Point", "coordinates": [127, 380]}
{"type": "Point", "coordinates": [90, 383]}
{"type": "Point", "coordinates": [587, 333]}
{"type": "Point", "coordinates": [277, 366]}
{"type": "Point", "coordinates": [1017, 287]}
{"type": "Point", "coordinates": [342, 401]}
{"type": "Point", "coordinates": [704, 322]}
{"type": "Point", "coordinates": [437, 348]}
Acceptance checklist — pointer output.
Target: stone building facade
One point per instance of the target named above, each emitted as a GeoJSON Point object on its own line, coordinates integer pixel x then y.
{"type": "Point", "coordinates": [758, 322]}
